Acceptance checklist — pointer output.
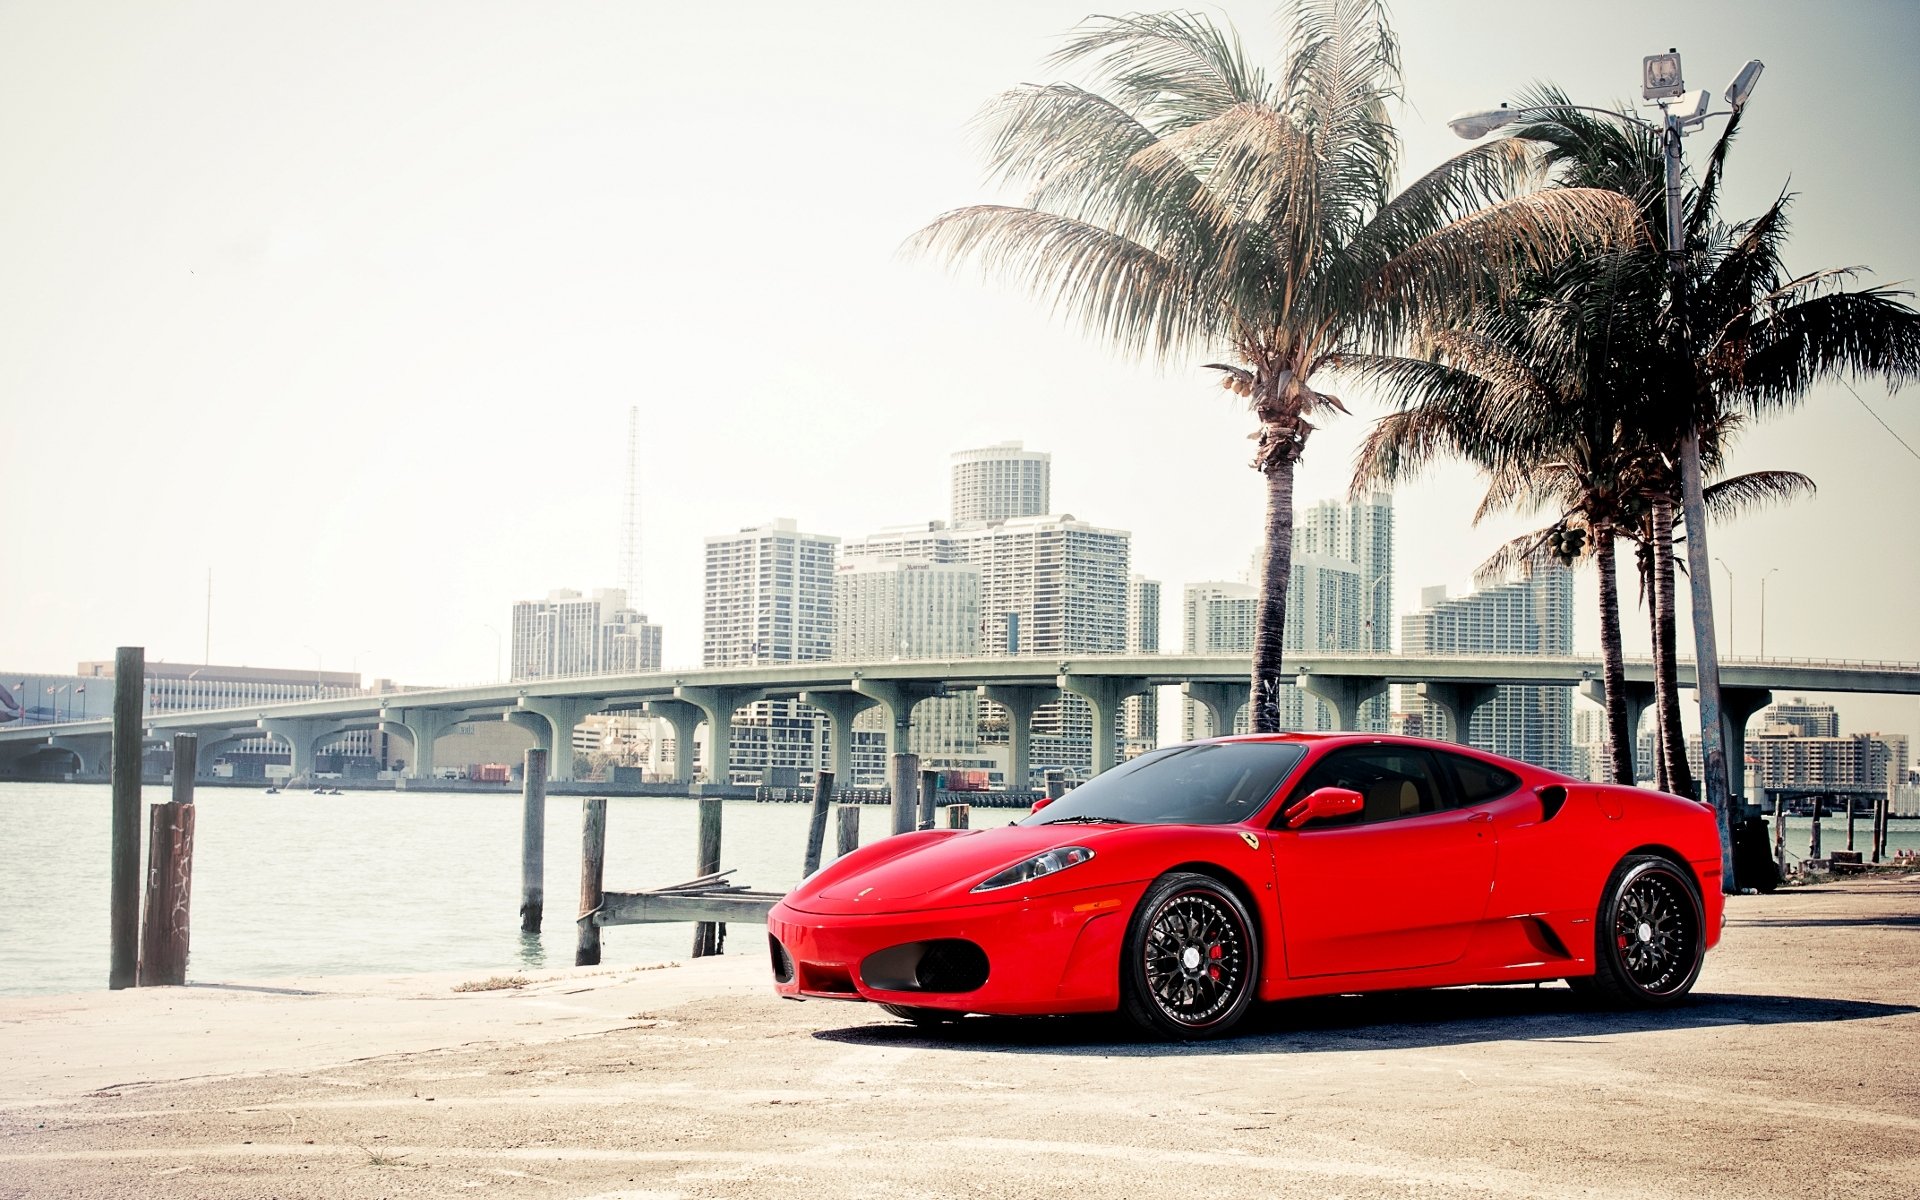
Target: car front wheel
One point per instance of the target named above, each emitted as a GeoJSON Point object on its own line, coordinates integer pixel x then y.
{"type": "Point", "coordinates": [1191, 960]}
{"type": "Point", "coordinates": [1650, 936]}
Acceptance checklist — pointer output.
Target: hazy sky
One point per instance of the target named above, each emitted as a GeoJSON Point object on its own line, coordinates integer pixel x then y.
{"type": "Point", "coordinates": [348, 302]}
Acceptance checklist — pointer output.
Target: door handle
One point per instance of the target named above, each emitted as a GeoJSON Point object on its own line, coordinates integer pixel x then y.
{"type": "Point", "coordinates": [1480, 817]}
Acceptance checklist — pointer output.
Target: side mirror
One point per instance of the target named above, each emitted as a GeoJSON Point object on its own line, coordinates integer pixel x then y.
{"type": "Point", "coordinates": [1321, 805]}
{"type": "Point", "coordinates": [1041, 803]}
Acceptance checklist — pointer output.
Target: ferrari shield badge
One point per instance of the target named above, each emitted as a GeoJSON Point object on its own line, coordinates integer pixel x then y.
{"type": "Point", "coordinates": [1253, 843]}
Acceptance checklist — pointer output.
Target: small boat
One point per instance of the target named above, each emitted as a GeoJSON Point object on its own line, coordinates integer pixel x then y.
{"type": "Point", "coordinates": [272, 791]}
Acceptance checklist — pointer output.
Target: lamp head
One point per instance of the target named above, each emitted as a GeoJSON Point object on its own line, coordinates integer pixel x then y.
{"type": "Point", "coordinates": [1742, 85]}
{"type": "Point", "coordinates": [1660, 76]}
{"type": "Point", "coordinates": [1471, 125]}
{"type": "Point", "coordinates": [1691, 107]}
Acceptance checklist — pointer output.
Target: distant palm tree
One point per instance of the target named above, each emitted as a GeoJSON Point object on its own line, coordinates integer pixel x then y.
{"type": "Point", "coordinates": [1190, 204]}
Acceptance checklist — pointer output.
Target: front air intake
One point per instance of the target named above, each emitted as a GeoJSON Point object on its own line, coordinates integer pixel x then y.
{"type": "Point", "coordinates": [782, 961]}
{"type": "Point", "coordinates": [943, 965]}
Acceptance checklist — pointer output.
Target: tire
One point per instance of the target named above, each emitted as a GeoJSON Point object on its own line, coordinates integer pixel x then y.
{"type": "Point", "coordinates": [1191, 962]}
{"type": "Point", "coordinates": [922, 1016]}
{"type": "Point", "coordinates": [1649, 936]}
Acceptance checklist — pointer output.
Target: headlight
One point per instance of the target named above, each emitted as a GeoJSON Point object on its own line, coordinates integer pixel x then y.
{"type": "Point", "coordinates": [1038, 865]}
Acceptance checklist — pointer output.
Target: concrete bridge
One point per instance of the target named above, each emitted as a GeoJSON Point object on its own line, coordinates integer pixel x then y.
{"type": "Point", "coordinates": [552, 708]}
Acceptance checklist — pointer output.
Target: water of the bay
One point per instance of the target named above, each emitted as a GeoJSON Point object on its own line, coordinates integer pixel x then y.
{"type": "Point", "coordinates": [391, 882]}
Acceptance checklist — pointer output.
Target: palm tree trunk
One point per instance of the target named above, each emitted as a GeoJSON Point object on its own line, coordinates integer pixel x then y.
{"type": "Point", "coordinates": [1673, 740]}
{"type": "Point", "coordinates": [1271, 623]}
{"type": "Point", "coordinates": [1613, 671]}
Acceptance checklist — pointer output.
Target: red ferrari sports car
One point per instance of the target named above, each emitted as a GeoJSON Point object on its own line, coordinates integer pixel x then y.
{"type": "Point", "coordinates": [1183, 885]}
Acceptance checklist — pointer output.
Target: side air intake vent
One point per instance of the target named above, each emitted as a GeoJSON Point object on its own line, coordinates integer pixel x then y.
{"type": "Point", "coordinates": [1551, 798]}
{"type": "Point", "coordinates": [782, 961]}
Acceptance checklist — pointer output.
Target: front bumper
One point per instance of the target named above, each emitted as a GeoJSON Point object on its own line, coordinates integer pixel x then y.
{"type": "Point", "coordinates": [1048, 954]}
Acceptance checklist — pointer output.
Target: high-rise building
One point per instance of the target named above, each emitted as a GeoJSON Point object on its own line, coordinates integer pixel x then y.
{"type": "Point", "coordinates": [1216, 617]}
{"type": "Point", "coordinates": [1358, 532]}
{"type": "Point", "coordinates": [1800, 719]}
{"type": "Point", "coordinates": [998, 482]}
{"type": "Point", "coordinates": [1048, 585]}
{"type": "Point", "coordinates": [571, 634]}
{"type": "Point", "coordinates": [768, 599]}
{"type": "Point", "coordinates": [1140, 717]}
{"type": "Point", "coordinates": [894, 608]}
{"type": "Point", "coordinates": [1530, 615]}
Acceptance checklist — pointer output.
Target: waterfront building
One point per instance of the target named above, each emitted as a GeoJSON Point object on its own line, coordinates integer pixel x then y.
{"type": "Point", "coordinates": [1797, 718]}
{"type": "Point", "coordinates": [905, 608]}
{"type": "Point", "coordinates": [769, 598]}
{"type": "Point", "coordinates": [1140, 716]}
{"type": "Point", "coordinates": [1001, 481]}
{"type": "Point", "coordinates": [571, 634]}
{"type": "Point", "coordinates": [1216, 617]}
{"type": "Point", "coordinates": [1530, 615]}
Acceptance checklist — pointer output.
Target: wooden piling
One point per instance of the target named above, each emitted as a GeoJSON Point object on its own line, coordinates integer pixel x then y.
{"type": "Point", "coordinates": [906, 786]}
{"type": "Point", "coordinates": [1056, 784]}
{"type": "Point", "coordinates": [129, 691]}
{"type": "Point", "coordinates": [1780, 836]}
{"type": "Point", "coordinates": [849, 832]}
{"type": "Point", "coordinates": [1813, 840]}
{"type": "Point", "coordinates": [165, 931]}
{"type": "Point", "coordinates": [533, 838]}
{"type": "Point", "coordinates": [709, 937]}
{"type": "Point", "coordinates": [1882, 809]}
{"type": "Point", "coordinates": [929, 798]}
{"type": "Point", "coordinates": [593, 870]}
{"type": "Point", "coordinates": [958, 815]}
{"type": "Point", "coordinates": [817, 825]}
{"type": "Point", "coordinates": [1850, 807]}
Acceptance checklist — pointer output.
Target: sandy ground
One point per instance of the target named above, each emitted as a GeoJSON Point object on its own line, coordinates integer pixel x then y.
{"type": "Point", "coordinates": [1795, 1071]}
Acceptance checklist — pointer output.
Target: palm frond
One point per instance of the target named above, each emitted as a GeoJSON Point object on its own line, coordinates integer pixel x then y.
{"type": "Point", "coordinates": [1741, 494]}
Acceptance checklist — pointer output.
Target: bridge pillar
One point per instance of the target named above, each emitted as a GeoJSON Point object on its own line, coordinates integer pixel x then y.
{"type": "Point", "coordinates": [424, 727]}
{"type": "Point", "coordinates": [1343, 695]}
{"type": "Point", "coordinates": [1104, 694]}
{"type": "Point", "coordinates": [841, 708]}
{"type": "Point", "coordinates": [1639, 700]}
{"type": "Point", "coordinates": [1460, 701]}
{"type": "Point", "coordinates": [685, 719]}
{"type": "Point", "coordinates": [1737, 706]}
{"type": "Point", "coordinates": [539, 727]}
{"type": "Point", "coordinates": [1223, 702]}
{"type": "Point", "coordinates": [212, 743]}
{"type": "Point", "coordinates": [1019, 701]}
{"type": "Point", "coordinates": [717, 705]}
{"type": "Point", "coordinates": [303, 734]}
{"type": "Point", "coordinates": [899, 698]}
{"type": "Point", "coordinates": [92, 749]}
{"type": "Point", "coordinates": [562, 716]}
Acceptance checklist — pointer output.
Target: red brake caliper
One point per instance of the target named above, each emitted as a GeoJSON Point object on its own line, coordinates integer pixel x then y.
{"type": "Point", "coordinates": [1213, 953]}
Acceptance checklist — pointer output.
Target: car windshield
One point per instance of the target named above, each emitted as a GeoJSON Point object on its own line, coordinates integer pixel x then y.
{"type": "Point", "coordinates": [1211, 783]}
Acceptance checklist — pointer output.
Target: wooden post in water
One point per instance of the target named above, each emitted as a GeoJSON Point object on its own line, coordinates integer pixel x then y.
{"type": "Point", "coordinates": [593, 870]}
{"type": "Point", "coordinates": [533, 839]}
{"type": "Point", "coordinates": [1813, 841]}
{"type": "Point", "coordinates": [817, 825]}
{"type": "Point", "coordinates": [129, 691]}
{"type": "Point", "coordinates": [1056, 784]}
{"type": "Point", "coordinates": [958, 814]}
{"type": "Point", "coordinates": [1850, 799]}
{"type": "Point", "coordinates": [165, 932]}
{"type": "Point", "coordinates": [929, 798]}
{"type": "Point", "coordinates": [1780, 836]}
{"type": "Point", "coordinates": [849, 832]}
{"type": "Point", "coordinates": [1882, 809]}
{"type": "Point", "coordinates": [709, 937]}
{"type": "Point", "coordinates": [906, 783]}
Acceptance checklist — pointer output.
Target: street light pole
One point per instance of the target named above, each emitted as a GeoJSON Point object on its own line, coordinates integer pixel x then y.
{"type": "Point", "coordinates": [1732, 603]}
{"type": "Point", "coordinates": [1763, 611]}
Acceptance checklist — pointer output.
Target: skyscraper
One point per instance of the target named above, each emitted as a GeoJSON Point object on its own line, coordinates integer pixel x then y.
{"type": "Point", "coordinates": [996, 482]}
{"type": "Point", "coordinates": [888, 608]}
{"type": "Point", "coordinates": [769, 598]}
{"type": "Point", "coordinates": [1140, 716]}
{"type": "Point", "coordinates": [1216, 617]}
{"type": "Point", "coordinates": [571, 634]}
{"type": "Point", "coordinates": [1531, 615]}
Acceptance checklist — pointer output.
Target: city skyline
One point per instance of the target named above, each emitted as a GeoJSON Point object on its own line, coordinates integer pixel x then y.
{"type": "Point", "coordinates": [366, 351]}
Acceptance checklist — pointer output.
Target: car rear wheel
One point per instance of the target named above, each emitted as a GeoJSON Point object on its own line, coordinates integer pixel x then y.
{"type": "Point", "coordinates": [1650, 938]}
{"type": "Point", "coordinates": [1191, 961]}
{"type": "Point", "coordinates": [922, 1016]}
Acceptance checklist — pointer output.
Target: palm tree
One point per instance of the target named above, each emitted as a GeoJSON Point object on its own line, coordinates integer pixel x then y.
{"type": "Point", "coordinates": [1738, 338]}
{"type": "Point", "coordinates": [1188, 203]}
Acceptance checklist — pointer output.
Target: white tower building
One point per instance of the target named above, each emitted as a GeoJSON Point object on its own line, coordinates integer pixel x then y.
{"type": "Point", "coordinates": [1140, 716]}
{"type": "Point", "coordinates": [571, 634]}
{"type": "Point", "coordinates": [907, 608]}
{"type": "Point", "coordinates": [996, 482]}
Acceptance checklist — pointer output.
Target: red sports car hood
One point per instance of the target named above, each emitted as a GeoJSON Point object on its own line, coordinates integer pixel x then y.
{"type": "Point", "coordinates": [935, 869]}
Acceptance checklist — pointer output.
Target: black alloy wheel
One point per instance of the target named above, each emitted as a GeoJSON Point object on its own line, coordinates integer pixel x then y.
{"type": "Point", "coordinates": [1191, 960]}
{"type": "Point", "coordinates": [1650, 938]}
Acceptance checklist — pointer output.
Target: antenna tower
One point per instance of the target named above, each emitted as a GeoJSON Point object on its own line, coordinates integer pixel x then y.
{"type": "Point", "coordinates": [630, 527]}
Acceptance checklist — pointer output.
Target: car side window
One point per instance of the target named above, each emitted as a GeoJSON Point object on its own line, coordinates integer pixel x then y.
{"type": "Point", "coordinates": [1477, 782]}
{"type": "Point", "coordinates": [1394, 781]}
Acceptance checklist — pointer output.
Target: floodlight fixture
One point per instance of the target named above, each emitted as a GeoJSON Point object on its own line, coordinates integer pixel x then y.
{"type": "Point", "coordinates": [1471, 125]}
{"type": "Point", "coordinates": [1691, 108]}
{"type": "Point", "coordinates": [1660, 76]}
{"type": "Point", "coordinates": [1742, 86]}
